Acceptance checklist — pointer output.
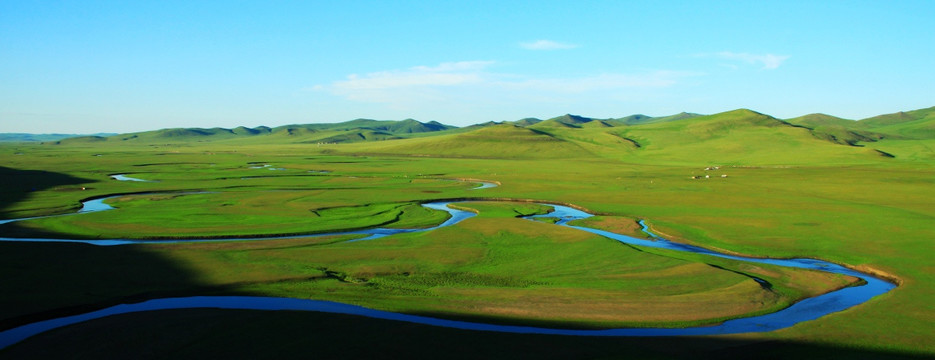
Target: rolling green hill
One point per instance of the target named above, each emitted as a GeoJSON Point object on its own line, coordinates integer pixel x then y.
{"type": "Point", "coordinates": [736, 137]}
{"type": "Point", "coordinates": [190, 134]}
{"type": "Point", "coordinates": [640, 119]}
{"type": "Point", "coordinates": [835, 129]}
{"type": "Point", "coordinates": [916, 124]}
{"type": "Point", "coordinates": [355, 136]}
{"type": "Point", "coordinates": [739, 137]}
{"type": "Point", "coordinates": [527, 121]}
{"type": "Point", "coordinates": [634, 119]}
{"type": "Point", "coordinates": [497, 141]}
{"type": "Point", "coordinates": [733, 137]}
{"type": "Point", "coordinates": [570, 121]}
{"type": "Point", "coordinates": [819, 120]}
{"type": "Point", "coordinates": [679, 116]}
{"type": "Point", "coordinates": [245, 131]}
{"type": "Point", "coordinates": [349, 131]}
{"type": "Point", "coordinates": [407, 126]}
{"type": "Point", "coordinates": [25, 137]}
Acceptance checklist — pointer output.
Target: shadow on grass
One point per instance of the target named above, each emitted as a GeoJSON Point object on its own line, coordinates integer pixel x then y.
{"type": "Point", "coordinates": [238, 334]}
{"type": "Point", "coordinates": [42, 281]}
{"type": "Point", "coordinates": [17, 185]}
{"type": "Point", "coordinates": [49, 280]}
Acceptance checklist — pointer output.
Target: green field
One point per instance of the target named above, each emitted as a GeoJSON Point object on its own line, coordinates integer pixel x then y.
{"type": "Point", "coordinates": [791, 188]}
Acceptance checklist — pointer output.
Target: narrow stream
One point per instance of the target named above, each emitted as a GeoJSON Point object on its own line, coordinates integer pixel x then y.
{"type": "Point", "coordinates": [99, 205]}
{"type": "Point", "coordinates": [124, 177]}
{"type": "Point", "coordinates": [808, 309]}
{"type": "Point", "coordinates": [485, 185]}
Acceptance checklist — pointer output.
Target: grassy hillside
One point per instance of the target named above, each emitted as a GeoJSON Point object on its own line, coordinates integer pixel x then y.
{"type": "Point", "coordinates": [679, 116]}
{"type": "Point", "coordinates": [570, 121]}
{"type": "Point", "coordinates": [355, 136]}
{"type": "Point", "coordinates": [24, 137]}
{"type": "Point", "coordinates": [820, 120]}
{"type": "Point", "coordinates": [640, 119]}
{"type": "Point", "coordinates": [499, 141]}
{"type": "Point", "coordinates": [407, 126]}
{"type": "Point", "coordinates": [526, 121]}
{"type": "Point", "coordinates": [838, 130]}
{"type": "Point", "coordinates": [739, 137]}
{"type": "Point", "coordinates": [916, 124]}
{"type": "Point", "coordinates": [349, 131]}
{"type": "Point", "coordinates": [195, 133]}
{"type": "Point", "coordinates": [634, 119]}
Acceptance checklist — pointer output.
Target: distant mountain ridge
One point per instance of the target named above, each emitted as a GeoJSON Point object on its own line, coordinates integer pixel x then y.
{"type": "Point", "coordinates": [572, 121]}
{"type": "Point", "coordinates": [26, 137]}
{"type": "Point", "coordinates": [739, 136]}
{"type": "Point", "coordinates": [915, 124]}
{"type": "Point", "coordinates": [407, 126]}
{"type": "Point", "coordinates": [348, 131]}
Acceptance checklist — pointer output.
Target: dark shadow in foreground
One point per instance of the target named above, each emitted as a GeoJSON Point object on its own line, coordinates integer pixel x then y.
{"type": "Point", "coordinates": [18, 185]}
{"type": "Point", "coordinates": [40, 281]}
{"type": "Point", "coordinates": [243, 334]}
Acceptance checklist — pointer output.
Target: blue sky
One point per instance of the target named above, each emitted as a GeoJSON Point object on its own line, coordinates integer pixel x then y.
{"type": "Point", "coordinates": [86, 66]}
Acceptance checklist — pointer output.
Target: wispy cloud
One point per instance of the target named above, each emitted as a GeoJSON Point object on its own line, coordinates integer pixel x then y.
{"type": "Point", "coordinates": [546, 45]}
{"type": "Point", "coordinates": [472, 81]}
{"type": "Point", "coordinates": [445, 74]}
{"type": "Point", "coordinates": [767, 61]}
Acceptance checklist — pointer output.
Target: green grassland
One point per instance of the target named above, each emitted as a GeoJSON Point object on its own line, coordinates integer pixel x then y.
{"type": "Point", "coordinates": [790, 191]}
{"type": "Point", "coordinates": [493, 267]}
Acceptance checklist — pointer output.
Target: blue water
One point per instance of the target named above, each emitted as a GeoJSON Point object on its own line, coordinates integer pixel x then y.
{"type": "Point", "coordinates": [485, 185]}
{"type": "Point", "coordinates": [808, 309]}
{"type": "Point", "coordinates": [95, 205]}
{"type": "Point", "coordinates": [122, 177]}
{"type": "Point", "coordinates": [86, 207]}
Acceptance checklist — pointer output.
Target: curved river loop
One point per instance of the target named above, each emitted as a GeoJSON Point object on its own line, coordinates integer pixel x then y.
{"type": "Point", "coordinates": [807, 309]}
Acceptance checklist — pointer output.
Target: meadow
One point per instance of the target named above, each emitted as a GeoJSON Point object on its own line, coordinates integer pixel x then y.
{"type": "Point", "coordinates": [787, 193]}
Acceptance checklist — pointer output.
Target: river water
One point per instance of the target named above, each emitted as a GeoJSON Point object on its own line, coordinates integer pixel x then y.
{"type": "Point", "coordinates": [485, 185]}
{"type": "Point", "coordinates": [124, 177]}
{"type": "Point", "coordinates": [808, 309]}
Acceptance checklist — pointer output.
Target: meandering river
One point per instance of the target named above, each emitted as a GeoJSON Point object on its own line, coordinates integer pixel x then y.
{"type": "Point", "coordinates": [808, 309]}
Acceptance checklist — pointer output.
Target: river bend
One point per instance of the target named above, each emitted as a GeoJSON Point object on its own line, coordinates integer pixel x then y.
{"type": "Point", "coordinates": [807, 309]}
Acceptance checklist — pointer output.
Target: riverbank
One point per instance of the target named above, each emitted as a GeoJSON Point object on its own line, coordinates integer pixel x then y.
{"type": "Point", "coordinates": [806, 309]}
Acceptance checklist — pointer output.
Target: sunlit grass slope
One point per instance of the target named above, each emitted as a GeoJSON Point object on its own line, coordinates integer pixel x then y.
{"type": "Point", "coordinates": [570, 121]}
{"type": "Point", "coordinates": [835, 129]}
{"type": "Point", "coordinates": [916, 124]}
{"type": "Point", "coordinates": [500, 141]}
{"type": "Point", "coordinates": [739, 137]}
{"type": "Point", "coordinates": [818, 120]}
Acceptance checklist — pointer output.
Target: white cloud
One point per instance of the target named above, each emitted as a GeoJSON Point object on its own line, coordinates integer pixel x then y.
{"type": "Point", "coordinates": [455, 66]}
{"type": "Point", "coordinates": [546, 45]}
{"type": "Point", "coordinates": [445, 74]}
{"type": "Point", "coordinates": [471, 82]}
{"type": "Point", "coordinates": [768, 61]}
